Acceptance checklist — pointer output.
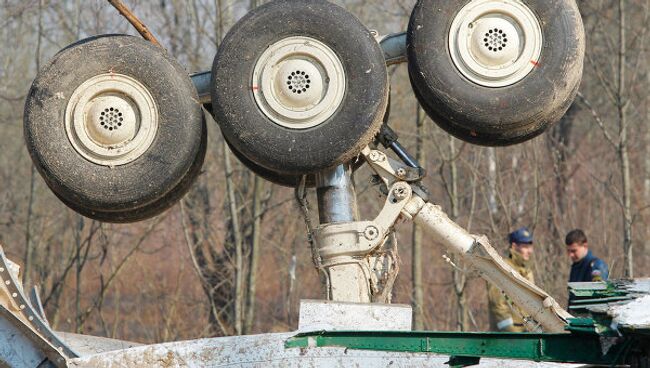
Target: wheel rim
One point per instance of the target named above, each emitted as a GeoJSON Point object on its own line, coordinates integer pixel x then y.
{"type": "Point", "coordinates": [495, 43]}
{"type": "Point", "coordinates": [111, 119]}
{"type": "Point", "coordinates": [298, 82]}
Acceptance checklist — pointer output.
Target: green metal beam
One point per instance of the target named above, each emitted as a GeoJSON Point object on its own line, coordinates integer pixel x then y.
{"type": "Point", "coordinates": [566, 348]}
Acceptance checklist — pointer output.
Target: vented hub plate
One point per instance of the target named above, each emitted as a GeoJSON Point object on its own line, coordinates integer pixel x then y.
{"type": "Point", "coordinates": [298, 82]}
{"type": "Point", "coordinates": [111, 119]}
{"type": "Point", "coordinates": [495, 43]}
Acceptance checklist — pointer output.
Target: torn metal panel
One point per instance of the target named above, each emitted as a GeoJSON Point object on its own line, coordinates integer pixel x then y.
{"type": "Point", "coordinates": [89, 345]}
{"type": "Point", "coordinates": [268, 351]}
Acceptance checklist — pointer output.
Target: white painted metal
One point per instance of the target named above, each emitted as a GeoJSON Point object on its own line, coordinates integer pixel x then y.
{"type": "Point", "coordinates": [481, 257]}
{"type": "Point", "coordinates": [362, 237]}
{"type": "Point", "coordinates": [16, 310]}
{"type": "Point", "coordinates": [475, 250]}
{"type": "Point", "coordinates": [16, 349]}
{"type": "Point", "coordinates": [90, 345]}
{"type": "Point", "coordinates": [495, 43]}
{"type": "Point", "coordinates": [347, 250]}
{"type": "Point", "coordinates": [348, 280]}
{"type": "Point", "coordinates": [634, 314]}
{"type": "Point", "coordinates": [332, 316]}
{"type": "Point", "coordinates": [346, 277]}
{"type": "Point", "coordinates": [111, 119]}
{"type": "Point", "coordinates": [268, 351]}
{"type": "Point", "coordinates": [298, 82]}
{"type": "Point", "coordinates": [444, 231]}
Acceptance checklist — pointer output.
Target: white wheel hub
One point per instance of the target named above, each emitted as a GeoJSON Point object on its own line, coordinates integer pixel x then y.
{"type": "Point", "coordinates": [111, 119]}
{"type": "Point", "coordinates": [495, 43]}
{"type": "Point", "coordinates": [298, 82]}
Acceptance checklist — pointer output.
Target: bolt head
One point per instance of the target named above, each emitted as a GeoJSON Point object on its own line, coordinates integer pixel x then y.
{"type": "Point", "coordinates": [376, 156]}
{"type": "Point", "coordinates": [401, 172]}
{"type": "Point", "coordinates": [400, 192]}
{"type": "Point", "coordinates": [371, 233]}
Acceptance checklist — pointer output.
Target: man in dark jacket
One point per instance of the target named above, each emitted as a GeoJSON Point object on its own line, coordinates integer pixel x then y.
{"type": "Point", "coordinates": [586, 266]}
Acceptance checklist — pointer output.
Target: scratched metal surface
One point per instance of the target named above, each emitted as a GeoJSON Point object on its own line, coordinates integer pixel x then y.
{"type": "Point", "coordinates": [268, 351]}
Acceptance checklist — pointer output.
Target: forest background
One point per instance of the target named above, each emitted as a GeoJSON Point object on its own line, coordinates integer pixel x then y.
{"type": "Point", "coordinates": [233, 258]}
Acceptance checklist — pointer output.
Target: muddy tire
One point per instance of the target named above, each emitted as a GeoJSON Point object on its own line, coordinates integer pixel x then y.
{"type": "Point", "coordinates": [152, 209]}
{"type": "Point", "coordinates": [285, 180]}
{"type": "Point", "coordinates": [295, 94]}
{"type": "Point", "coordinates": [292, 180]}
{"type": "Point", "coordinates": [113, 125]}
{"type": "Point", "coordinates": [495, 72]}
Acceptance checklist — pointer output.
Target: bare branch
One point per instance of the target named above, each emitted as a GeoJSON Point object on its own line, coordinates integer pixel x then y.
{"type": "Point", "coordinates": [598, 120]}
{"type": "Point", "coordinates": [135, 22]}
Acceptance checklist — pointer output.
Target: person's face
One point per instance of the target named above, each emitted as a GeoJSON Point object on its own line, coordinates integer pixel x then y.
{"type": "Point", "coordinates": [526, 250]}
{"type": "Point", "coordinates": [577, 251]}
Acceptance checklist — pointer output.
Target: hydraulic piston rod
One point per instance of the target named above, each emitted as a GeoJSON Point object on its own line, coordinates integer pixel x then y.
{"type": "Point", "coordinates": [348, 279]}
{"type": "Point", "coordinates": [475, 250]}
{"type": "Point", "coordinates": [481, 257]}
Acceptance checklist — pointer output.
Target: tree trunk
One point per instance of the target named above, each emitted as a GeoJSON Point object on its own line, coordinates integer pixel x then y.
{"type": "Point", "coordinates": [646, 181]}
{"type": "Point", "coordinates": [492, 180]}
{"type": "Point", "coordinates": [458, 276]}
{"type": "Point", "coordinates": [237, 236]}
{"type": "Point", "coordinates": [623, 153]}
{"type": "Point", "coordinates": [29, 241]}
{"type": "Point", "coordinates": [254, 252]}
{"type": "Point", "coordinates": [416, 263]}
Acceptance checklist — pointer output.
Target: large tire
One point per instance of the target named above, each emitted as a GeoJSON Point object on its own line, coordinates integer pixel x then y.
{"type": "Point", "coordinates": [292, 180]}
{"type": "Point", "coordinates": [452, 79]}
{"type": "Point", "coordinates": [154, 143]}
{"type": "Point", "coordinates": [285, 180]}
{"type": "Point", "coordinates": [326, 132]}
{"type": "Point", "coordinates": [154, 208]}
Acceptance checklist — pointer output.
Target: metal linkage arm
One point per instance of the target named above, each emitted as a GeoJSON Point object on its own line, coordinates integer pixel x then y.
{"type": "Point", "coordinates": [350, 251]}
{"type": "Point", "coordinates": [479, 255]}
{"type": "Point", "coordinates": [475, 250]}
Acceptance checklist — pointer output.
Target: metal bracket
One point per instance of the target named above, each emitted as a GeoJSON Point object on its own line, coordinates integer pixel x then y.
{"type": "Point", "coordinates": [13, 301]}
{"type": "Point", "coordinates": [390, 171]}
{"type": "Point", "coordinates": [362, 237]}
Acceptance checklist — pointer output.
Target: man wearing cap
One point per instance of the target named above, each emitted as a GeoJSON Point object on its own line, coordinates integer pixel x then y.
{"type": "Point", "coordinates": [504, 315]}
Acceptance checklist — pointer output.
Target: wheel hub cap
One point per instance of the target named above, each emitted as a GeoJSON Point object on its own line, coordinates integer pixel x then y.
{"type": "Point", "coordinates": [495, 43]}
{"type": "Point", "coordinates": [298, 82]}
{"type": "Point", "coordinates": [111, 119]}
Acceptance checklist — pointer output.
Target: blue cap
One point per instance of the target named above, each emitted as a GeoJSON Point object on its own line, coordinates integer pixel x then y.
{"type": "Point", "coordinates": [521, 236]}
